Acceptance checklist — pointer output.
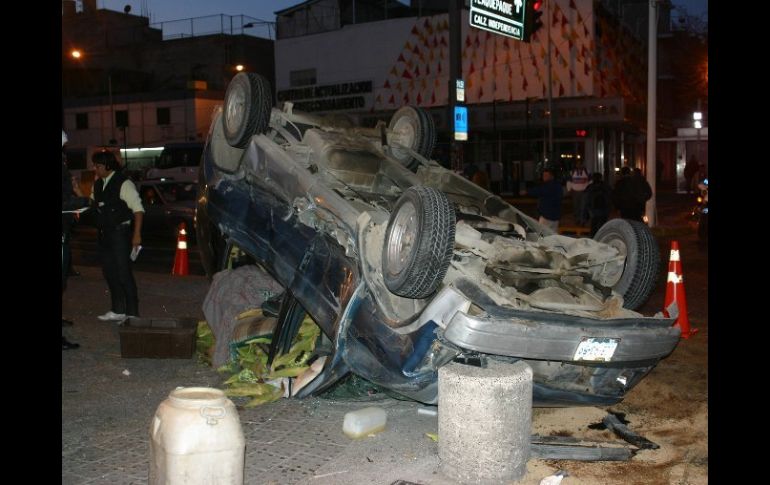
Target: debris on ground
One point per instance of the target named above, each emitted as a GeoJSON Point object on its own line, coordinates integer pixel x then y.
{"type": "Point", "coordinates": [251, 376]}
{"type": "Point", "coordinates": [568, 448]}
{"type": "Point", "coordinates": [616, 422]}
{"type": "Point", "coordinates": [554, 479]}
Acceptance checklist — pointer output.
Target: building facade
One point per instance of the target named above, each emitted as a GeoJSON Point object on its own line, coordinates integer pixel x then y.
{"type": "Point", "coordinates": [370, 69]}
{"type": "Point", "coordinates": [130, 87]}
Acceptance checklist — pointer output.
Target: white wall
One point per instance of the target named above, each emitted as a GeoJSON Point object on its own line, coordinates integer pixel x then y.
{"type": "Point", "coordinates": [189, 118]}
{"type": "Point", "coordinates": [361, 52]}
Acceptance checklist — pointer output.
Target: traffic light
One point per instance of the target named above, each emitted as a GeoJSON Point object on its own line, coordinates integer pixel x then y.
{"type": "Point", "coordinates": [532, 18]}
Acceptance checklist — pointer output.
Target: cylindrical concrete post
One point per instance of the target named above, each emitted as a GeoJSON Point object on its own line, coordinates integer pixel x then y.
{"type": "Point", "coordinates": [484, 421]}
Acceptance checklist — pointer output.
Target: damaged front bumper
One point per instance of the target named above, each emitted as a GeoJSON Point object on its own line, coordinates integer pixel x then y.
{"type": "Point", "coordinates": [559, 337]}
{"type": "Point", "coordinates": [574, 360]}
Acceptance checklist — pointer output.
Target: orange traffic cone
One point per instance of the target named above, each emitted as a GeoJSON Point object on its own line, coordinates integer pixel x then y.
{"type": "Point", "coordinates": [675, 304]}
{"type": "Point", "coordinates": [180, 259]}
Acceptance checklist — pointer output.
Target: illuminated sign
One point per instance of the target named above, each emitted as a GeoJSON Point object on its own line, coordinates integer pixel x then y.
{"type": "Point", "coordinates": [461, 123]}
{"type": "Point", "coordinates": [460, 90]}
{"type": "Point", "coordinates": [499, 16]}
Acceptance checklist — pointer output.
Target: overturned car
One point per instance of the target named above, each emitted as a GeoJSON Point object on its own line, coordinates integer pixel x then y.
{"type": "Point", "coordinates": [406, 266]}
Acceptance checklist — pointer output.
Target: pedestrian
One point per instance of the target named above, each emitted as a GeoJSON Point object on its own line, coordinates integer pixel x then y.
{"type": "Point", "coordinates": [549, 195]}
{"type": "Point", "coordinates": [690, 171]}
{"type": "Point", "coordinates": [119, 220]}
{"type": "Point", "coordinates": [598, 202]}
{"type": "Point", "coordinates": [642, 188]}
{"type": "Point", "coordinates": [578, 182]}
{"type": "Point", "coordinates": [630, 194]}
{"type": "Point", "coordinates": [476, 175]}
{"type": "Point", "coordinates": [71, 199]}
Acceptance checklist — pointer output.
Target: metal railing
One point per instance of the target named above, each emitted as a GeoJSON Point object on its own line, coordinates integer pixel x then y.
{"type": "Point", "coordinates": [216, 24]}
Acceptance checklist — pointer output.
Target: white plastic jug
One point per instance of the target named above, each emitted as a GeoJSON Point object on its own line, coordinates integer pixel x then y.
{"type": "Point", "coordinates": [196, 438]}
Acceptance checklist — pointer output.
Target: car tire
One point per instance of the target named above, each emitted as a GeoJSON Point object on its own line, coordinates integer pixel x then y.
{"type": "Point", "coordinates": [412, 127]}
{"type": "Point", "coordinates": [419, 240]}
{"type": "Point", "coordinates": [247, 107]}
{"type": "Point", "coordinates": [642, 267]}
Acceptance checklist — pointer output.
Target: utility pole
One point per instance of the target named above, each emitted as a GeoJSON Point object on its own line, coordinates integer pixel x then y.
{"type": "Point", "coordinates": [455, 73]}
{"type": "Point", "coordinates": [652, 97]}
{"type": "Point", "coordinates": [550, 88]}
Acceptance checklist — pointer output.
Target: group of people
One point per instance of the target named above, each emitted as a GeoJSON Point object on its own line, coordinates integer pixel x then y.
{"type": "Point", "coordinates": [592, 197]}
{"type": "Point", "coordinates": [119, 215]}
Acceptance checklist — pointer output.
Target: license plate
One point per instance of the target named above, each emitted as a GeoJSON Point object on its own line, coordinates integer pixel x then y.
{"type": "Point", "coordinates": [596, 349]}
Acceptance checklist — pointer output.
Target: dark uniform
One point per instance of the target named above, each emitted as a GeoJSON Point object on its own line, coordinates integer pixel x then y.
{"type": "Point", "coordinates": [114, 222]}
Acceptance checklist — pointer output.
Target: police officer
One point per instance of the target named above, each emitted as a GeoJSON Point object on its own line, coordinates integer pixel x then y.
{"type": "Point", "coordinates": [118, 205]}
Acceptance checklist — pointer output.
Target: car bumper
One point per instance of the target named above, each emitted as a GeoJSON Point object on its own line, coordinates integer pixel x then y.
{"type": "Point", "coordinates": [558, 337]}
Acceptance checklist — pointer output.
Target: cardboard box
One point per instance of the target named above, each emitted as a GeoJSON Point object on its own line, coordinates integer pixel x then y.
{"type": "Point", "coordinates": [158, 338]}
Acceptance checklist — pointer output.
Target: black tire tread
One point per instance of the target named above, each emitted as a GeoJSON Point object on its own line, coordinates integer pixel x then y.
{"type": "Point", "coordinates": [425, 140]}
{"type": "Point", "coordinates": [647, 255]}
{"type": "Point", "coordinates": [259, 106]}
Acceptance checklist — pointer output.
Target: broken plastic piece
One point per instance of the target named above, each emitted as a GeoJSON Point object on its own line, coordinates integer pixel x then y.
{"type": "Point", "coordinates": [613, 424]}
{"type": "Point", "coordinates": [554, 479]}
{"type": "Point", "coordinates": [427, 412]}
{"type": "Point", "coordinates": [364, 422]}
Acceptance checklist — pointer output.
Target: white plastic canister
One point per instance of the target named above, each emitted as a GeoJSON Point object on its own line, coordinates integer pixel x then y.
{"type": "Point", "coordinates": [196, 439]}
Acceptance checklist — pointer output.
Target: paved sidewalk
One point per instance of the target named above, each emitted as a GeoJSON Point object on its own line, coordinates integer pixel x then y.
{"type": "Point", "coordinates": [108, 403]}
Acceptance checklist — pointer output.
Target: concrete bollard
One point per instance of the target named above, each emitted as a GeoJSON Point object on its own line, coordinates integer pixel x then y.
{"type": "Point", "coordinates": [484, 421]}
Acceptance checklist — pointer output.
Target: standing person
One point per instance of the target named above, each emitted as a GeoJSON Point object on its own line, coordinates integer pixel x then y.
{"type": "Point", "coordinates": [578, 183]}
{"type": "Point", "coordinates": [598, 202]}
{"type": "Point", "coordinates": [690, 170]}
{"type": "Point", "coordinates": [643, 190]}
{"type": "Point", "coordinates": [117, 205]}
{"type": "Point", "coordinates": [549, 195]}
{"type": "Point", "coordinates": [71, 199]}
{"type": "Point", "coordinates": [630, 194]}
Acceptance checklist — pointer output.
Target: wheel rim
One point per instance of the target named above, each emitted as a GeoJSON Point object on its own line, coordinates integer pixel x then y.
{"type": "Point", "coordinates": [236, 103]}
{"type": "Point", "coordinates": [618, 244]}
{"type": "Point", "coordinates": [404, 133]}
{"type": "Point", "coordinates": [403, 238]}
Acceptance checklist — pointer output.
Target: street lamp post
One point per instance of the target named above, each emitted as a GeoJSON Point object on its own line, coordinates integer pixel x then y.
{"type": "Point", "coordinates": [77, 54]}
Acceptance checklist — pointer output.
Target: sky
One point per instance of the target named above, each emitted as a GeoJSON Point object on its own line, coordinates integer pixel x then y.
{"type": "Point", "coordinates": [164, 10]}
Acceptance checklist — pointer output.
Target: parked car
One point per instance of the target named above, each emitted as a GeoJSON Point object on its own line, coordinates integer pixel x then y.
{"type": "Point", "coordinates": [178, 161]}
{"type": "Point", "coordinates": [406, 266]}
{"type": "Point", "coordinates": [167, 203]}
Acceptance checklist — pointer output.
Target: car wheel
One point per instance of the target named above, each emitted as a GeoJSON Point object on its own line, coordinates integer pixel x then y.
{"type": "Point", "coordinates": [414, 128]}
{"type": "Point", "coordinates": [247, 107]}
{"type": "Point", "coordinates": [635, 241]}
{"type": "Point", "coordinates": [419, 241]}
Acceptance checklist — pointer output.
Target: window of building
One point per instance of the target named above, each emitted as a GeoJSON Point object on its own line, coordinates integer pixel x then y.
{"type": "Point", "coordinates": [121, 118]}
{"type": "Point", "coordinates": [304, 77]}
{"type": "Point", "coordinates": [81, 121]}
{"type": "Point", "coordinates": [163, 115]}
